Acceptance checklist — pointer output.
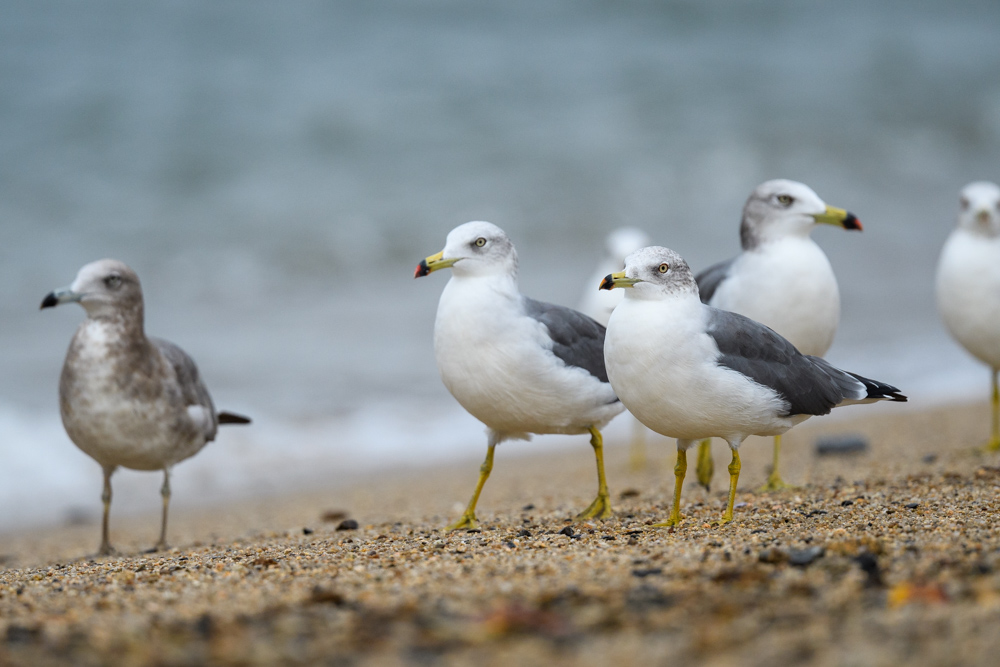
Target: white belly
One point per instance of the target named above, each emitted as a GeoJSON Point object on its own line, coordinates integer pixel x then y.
{"type": "Point", "coordinates": [109, 423]}
{"type": "Point", "coordinates": [662, 366]}
{"type": "Point", "coordinates": [497, 364]}
{"type": "Point", "coordinates": [789, 286]}
{"type": "Point", "coordinates": [968, 293]}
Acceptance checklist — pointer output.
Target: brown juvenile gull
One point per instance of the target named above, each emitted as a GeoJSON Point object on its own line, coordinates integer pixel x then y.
{"type": "Point", "coordinates": [127, 399]}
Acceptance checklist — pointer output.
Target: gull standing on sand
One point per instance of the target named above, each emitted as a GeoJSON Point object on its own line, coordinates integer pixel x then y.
{"type": "Point", "coordinates": [125, 399]}
{"type": "Point", "coordinates": [781, 279]}
{"type": "Point", "coordinates": [599, 304]}
{"type": "Point", "coordinates": [968, 283]}
{"type": "Point", "coordinates": [691, 371]}
{"type": "Point", "coordinates": [518, 365]}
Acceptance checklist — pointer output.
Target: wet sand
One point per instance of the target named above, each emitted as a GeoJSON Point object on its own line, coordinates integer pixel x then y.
{"type": "Point", "coordinates": [879, 558]}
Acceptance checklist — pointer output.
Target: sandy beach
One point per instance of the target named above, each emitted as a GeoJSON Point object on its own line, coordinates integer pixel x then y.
{"type": "Point", "coordinates": [878, 558]}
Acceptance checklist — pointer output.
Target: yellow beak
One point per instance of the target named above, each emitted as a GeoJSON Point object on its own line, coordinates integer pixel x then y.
{"type": "Point", "coordinates": [432, 264]}
{"type": "Point", "coordinates": [613, 280]}
{"type": "Point", "coordinates": [838, 217]}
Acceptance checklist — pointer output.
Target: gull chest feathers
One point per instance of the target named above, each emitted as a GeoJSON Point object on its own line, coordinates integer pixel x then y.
{"type": "Point", "coordinates": [493, 359]}
{"type": "Point", "coordinates": [113, 402]}
{"type": "Point", "coordinates": [788, 285]}
{"type": "Point", "coordinates": [683, 392]}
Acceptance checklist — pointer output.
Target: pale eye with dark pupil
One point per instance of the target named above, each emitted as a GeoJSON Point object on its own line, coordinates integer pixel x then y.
{"type": "Point", "coordinates": [113, 281]}
{"type": "Point", "coordinates": [785, 200]}
{"type": "Point", "coordinates": [663, 268]}
{"type": "Point", "coordinates": [480, 242]}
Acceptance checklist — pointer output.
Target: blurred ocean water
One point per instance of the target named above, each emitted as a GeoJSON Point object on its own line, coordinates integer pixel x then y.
{"type": "Point", "coordinates": [274, 171]}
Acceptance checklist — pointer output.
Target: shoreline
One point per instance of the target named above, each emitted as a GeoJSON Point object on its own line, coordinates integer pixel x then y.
{"type": "Point", "coordinates": [878, 557]}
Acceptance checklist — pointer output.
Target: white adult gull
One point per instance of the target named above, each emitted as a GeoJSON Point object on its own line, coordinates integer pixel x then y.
{"type": "Point", "coordinates": [968, 284]}
{"type": "Point", "coordinates": [599, 304]}
{"type": "Point", "coordinates": [781, 279]}
{"type": "Point", "coordinates": [691, 371]}
{"type": "Point", "coordinates": [127, 399]}
{"type": "Point", "coordinates": [518, 365]}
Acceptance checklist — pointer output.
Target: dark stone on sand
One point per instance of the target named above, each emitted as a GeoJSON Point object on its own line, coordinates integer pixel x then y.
{"type": "Point", "coordinates": [839, 445]}
{"type": "Point", "coordinates": [804, 557]}
{"type": "Point", "coordinates": [348, 524]}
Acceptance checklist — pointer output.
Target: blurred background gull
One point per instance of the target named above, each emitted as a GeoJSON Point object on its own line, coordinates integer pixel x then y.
{"type": "Point", "coordinates": [273, 171]}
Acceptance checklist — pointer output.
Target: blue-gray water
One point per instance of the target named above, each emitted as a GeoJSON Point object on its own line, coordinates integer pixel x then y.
{"type": "Point", "coordinates": [274, 171]}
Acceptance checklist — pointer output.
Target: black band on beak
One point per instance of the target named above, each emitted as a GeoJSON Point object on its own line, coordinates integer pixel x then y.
{"type": "Point", "coordinates": [49, 301]}
{"type": "Point", "coordinates": [608, 283]}
{"type": "Point", "coordinates": [850, 222]}
{"type": "Point", "coordinates": [422, 269]}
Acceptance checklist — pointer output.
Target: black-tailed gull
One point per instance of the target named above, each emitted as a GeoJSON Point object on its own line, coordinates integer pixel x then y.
{"type": "Point", "coordinates": [691, 371]}
{"type": "Point", "coordinates": [968, 283]}
{"type": "Point", "coordinates": [598, 304]}
{"type": "Point", "coordinates": [781, 278]}
{"type": "Point", "coordinates": [127, 399]}
{"type": "Point", "coordinates": [518, 365]}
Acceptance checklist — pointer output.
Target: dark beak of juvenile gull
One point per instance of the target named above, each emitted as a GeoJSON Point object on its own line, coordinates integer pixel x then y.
{"type": "Point", "coordinates": [838, 217]}
{"type": "Point", "coordinates": [613, 280]}
{"type": "Point", "coordinates": [432, 264]}
{"type": "Point", "coordinates": [60, 296]}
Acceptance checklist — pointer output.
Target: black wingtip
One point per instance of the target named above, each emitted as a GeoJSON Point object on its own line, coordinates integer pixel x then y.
{"type": "Point", "coordinates": [232, 418]}
{"type": "Point", "coordinates": [49, 301]}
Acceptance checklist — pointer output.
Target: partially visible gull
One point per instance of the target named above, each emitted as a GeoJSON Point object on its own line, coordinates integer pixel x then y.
{"type": "Point", "coordinates": [127, 399]}
{"type": "Point", "coordinates": [598, 304]}
{"type": "Point", "coordinates": [691, 371]}
{"type": "Point", "coordinates": [968, 283]}
{"type": "Point", "coordinates": [518, 365]}
{"type": "Point", "coordinates": [781, 279]}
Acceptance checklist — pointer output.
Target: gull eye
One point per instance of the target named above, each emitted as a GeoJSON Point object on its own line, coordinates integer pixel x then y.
{"type": "Point", "coordinates": [113, 281]}
{"type": "Point", "coordinates": [785, 200]}
{"type": "Point", "coordinates": [663, 268]}
{"type": "Point", "coordinates": [964, 203]}
{"type": "Point", "coordinates": [480, 242]}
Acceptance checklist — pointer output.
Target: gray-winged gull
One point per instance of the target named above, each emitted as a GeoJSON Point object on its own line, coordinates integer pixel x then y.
{"type": "Point", "coordinates": [599, 304]}
{"type": "Point", "coordinates": [691, 371]}
{"type": "Point", "coordinates": [968, 283]}
{"type": "Point", "coordinates": [127, 399]}
{"type": "Point", "coordinates": [518, 365]}
{"type": "Point", "coordinates": [781, 279]}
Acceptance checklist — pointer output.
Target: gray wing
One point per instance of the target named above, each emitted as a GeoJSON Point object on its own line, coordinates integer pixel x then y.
{"type": "Point", "coordinates": [193, 390]}
{"type": "Point", "coordinates": [576, 339]}
{"type": "Point", "coordinates": [710, 279]}
{"type": "Point", "coordinates": [808, 384]}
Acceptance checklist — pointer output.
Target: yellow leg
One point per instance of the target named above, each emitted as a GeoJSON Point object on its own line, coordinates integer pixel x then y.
{"type": "Point", "coordinates": [637, 448]}
{"type": "Point", "coordinates": [468, 520]}
{"type": "Point", "coordinates": [601, 507]}
{"type": "Point", "coordinates": [734, 476]}
{"type": "Point", "coordinates": [706, 466]}
{"type": "Point", "coordinates": [680, 469]}
{"type": "Point", "coordinates": [994, 444]}
{"type": "Point", "coordinates": [774, 481]}
{"type": "Point", "coordinates": [106, 549]}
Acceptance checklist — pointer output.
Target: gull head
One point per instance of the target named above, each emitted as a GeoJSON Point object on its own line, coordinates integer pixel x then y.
{"type": "Point", "coordinates": [473, 249]}
{"type": "Point", "coordinates": [104, 288]}
{"type": "Point", "coordinates": [781, 208]}
{"type": "Point", "coordinates": [653, 273]}
{"type": "Point", "coordinates": [979, 209]}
